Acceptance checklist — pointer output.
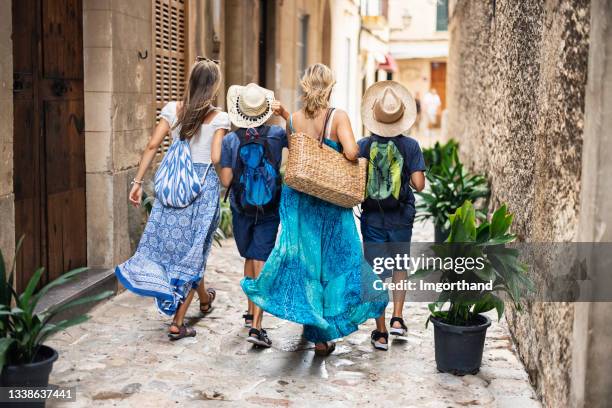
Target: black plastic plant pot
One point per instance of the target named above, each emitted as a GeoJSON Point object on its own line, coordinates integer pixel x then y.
{"type": "Point", "coordinates": [35, 374]}
{"type": "Point", "coordinates": [440, 234]}
{"type": "Point", "coordinates": [459, 348]}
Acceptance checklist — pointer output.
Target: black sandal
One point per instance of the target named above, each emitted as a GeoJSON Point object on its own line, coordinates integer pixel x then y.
{"type": "Point", "coordinates": [376, 336]}
{"type": "Point", "coordinates": [259, 338]}
{"type": "Point", "coordinates": [248, 319]}
{"type": "Point", "coordinates": [206, 308]}
{"type": "Point", "coordinates": [330, 346]}
{"type": "Point", "coordinates": [184, 331]}
{"type": "Point", "coordinates": [398, 331]}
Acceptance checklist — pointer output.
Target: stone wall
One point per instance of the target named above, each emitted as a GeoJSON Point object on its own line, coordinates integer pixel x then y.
{"type": "Point", "coordinates": [7, 199]}
{"type": "Point", "coordinates": [119, 115]}
{"type": "Point", "coordinates": [516, 86]}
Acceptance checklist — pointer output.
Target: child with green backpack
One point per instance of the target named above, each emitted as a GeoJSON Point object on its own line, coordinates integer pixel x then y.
{"type": "Point", "coordinates": [396, 167]}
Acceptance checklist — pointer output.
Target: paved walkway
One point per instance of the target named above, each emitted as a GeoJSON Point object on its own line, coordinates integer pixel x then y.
{"type": "Point", "coordinates": [122, 358]}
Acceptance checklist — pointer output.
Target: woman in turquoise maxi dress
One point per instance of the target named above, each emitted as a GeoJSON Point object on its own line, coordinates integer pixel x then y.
{"type": "Point", "coordinates": [316, 275]}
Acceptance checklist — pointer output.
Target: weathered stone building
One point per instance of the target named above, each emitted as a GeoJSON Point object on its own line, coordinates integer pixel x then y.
{"type": "Point", "coordinates": [525, 111]}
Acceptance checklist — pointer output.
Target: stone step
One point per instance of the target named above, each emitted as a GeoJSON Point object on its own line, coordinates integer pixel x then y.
{"type": "Point", "coordinates": [89, 283]}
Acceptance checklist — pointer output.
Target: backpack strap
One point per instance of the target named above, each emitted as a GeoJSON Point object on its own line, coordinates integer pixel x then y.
{"type": "Point", "coordinates": [368, 147]}
{"type": "Point", "coordinates": [236, 165]}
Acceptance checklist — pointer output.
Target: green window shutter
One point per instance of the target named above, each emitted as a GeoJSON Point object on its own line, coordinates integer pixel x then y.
{"type": "Point", "coordinates": [442, 15]}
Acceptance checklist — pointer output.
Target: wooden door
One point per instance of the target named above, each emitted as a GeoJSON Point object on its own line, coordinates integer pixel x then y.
{"type": "Point", "coordinates": [438, 82]}
{"type": "Point", "coordinates": [49, 144]}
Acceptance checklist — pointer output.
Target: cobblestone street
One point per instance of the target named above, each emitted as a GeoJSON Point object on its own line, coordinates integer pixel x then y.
{"type": "Point", "coordinates": [122, 357]}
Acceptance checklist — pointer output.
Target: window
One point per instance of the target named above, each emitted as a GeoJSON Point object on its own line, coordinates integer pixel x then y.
{"type": "Point", "coordinates": [371, 8]}
{"type": "Point", "coordinates": [170, 67]}
{"type": "Point", "coordinates": [302, 48]}
{"type": "Point", "coordinates": [441, 15]}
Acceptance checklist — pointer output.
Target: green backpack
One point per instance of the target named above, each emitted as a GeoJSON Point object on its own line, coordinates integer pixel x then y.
{"type": "Point", "coordinates": [386, 188]}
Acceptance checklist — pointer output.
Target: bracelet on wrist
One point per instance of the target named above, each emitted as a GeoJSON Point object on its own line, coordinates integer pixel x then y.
{"type": "Point", "coordinates": [134, 181]}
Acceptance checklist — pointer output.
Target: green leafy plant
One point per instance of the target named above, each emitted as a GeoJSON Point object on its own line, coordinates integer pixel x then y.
{"type": "Point", "coordinates": [22, 330]}
{"type": "Point", "coordinates": [502, 267]}
{"type": "Point", "coordinates": [225, 225]}
{"type": "Point", "coordinates": [147, 202]}
{"type": "Point", "coordinates": [439, 153]}
{"type": "Point", "coordinates": [449, 186]}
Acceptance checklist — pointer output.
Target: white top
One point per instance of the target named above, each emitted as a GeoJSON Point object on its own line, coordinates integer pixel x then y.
{"type": "Point", "coordinates": [200, 144]}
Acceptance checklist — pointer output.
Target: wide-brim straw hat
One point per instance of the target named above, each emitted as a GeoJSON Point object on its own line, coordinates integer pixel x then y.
{"type": "Point", "coordinates": [249, 106]}
{"type": "Point", "coordinates": [388, 109]}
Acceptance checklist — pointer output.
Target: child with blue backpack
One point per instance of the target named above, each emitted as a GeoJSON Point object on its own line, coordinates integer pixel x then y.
{"type": "Point", "coordinates": [250, 170]}
{"type": "Point", "coordinates": [395, 168]}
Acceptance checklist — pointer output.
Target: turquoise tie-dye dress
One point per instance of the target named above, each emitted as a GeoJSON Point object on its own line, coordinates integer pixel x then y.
{"type": "Point", "coordinates": [316, 275]}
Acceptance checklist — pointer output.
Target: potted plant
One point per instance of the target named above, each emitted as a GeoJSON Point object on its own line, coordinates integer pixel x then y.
{"type": "Point", "coordinates": [24, 359]}
{"type": "Point", "coordinates": [449, 185]}
{"type": "Point", "coordinates": [459, 325]}
{"type": "Point", "coordinates": [434, 156]}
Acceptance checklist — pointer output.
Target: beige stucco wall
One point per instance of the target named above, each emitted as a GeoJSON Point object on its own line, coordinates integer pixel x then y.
{"type": "Point", "coordinates": [415, 74]}
{"type": "Point", "coordinates": [119, 116]}
{"type": "Point", "coordinates": [241, 47]}
{"type": "Point", "coordinates": [7, 200]}
{"type": "Point", "coordinates": [515, 89]}
{"type": "Point", "coordinates": [288, 30]}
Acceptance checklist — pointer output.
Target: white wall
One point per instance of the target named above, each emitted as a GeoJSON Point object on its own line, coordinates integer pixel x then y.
{"type": "Point", "coordinates": [345, 58]}
{"type": "Point", "coordinates": [422, 25]}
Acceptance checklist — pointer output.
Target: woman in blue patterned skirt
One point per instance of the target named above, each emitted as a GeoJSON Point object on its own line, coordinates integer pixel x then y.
{"type": "Point", "coordinates": [171, 256]}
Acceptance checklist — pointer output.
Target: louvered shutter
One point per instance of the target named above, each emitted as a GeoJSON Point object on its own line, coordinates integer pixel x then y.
{"type": "Point", "coordinates": [170, 59]}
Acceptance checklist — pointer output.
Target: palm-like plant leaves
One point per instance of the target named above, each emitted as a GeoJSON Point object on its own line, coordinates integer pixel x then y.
{"type": "Point", "coordinates": [22, 330]}
{"type": "Point", "coordinates": [449, 185]}
{"type": "Point", "coordinates": [502, 266]}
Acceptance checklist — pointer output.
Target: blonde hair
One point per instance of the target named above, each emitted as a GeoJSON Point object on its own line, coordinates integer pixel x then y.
{"type": "Point", "coordinates": [203, 85]}
{"type": "Point", "coordinates": [317, 83]}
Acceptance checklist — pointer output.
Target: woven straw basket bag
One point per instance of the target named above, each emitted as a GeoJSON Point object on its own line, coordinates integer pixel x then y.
{"type": "Point", "coordinates": [318, 170]}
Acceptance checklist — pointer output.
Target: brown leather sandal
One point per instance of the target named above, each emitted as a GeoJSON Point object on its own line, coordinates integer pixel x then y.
{"type": "Point", "coordinates": [330, 346]}
{"type": "Point", "coordinates": [206, 308]}
{"type": "Point", "coordinates": [184, 331]}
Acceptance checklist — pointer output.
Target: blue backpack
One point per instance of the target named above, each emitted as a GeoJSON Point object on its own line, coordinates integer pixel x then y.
{"type": "Point", "coordinates": [256, 182]}
{"type": "Point", "coordinates": [176, 182]}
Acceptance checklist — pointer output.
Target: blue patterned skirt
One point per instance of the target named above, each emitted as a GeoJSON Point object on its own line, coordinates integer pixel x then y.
{"type": "Point", "coordinates": [172, 253]}
{"type": "Point", "coordinates": [316, 275]}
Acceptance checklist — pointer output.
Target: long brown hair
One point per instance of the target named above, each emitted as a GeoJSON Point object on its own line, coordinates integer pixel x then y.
{"type": "Point", "coordinates": [317, 83]}
{"type": "Point", "coordinates": [203, 85]}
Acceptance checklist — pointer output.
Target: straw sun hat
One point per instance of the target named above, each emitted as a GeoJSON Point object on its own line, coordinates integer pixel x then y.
{"type": "Point", "coordinates": [388, 109]}
{"type": "Point", "coordinates": [249, 106]}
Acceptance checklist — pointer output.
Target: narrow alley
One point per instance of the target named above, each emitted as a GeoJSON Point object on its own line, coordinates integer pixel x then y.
{"type": "Point", "coordinates": [122, 357]}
